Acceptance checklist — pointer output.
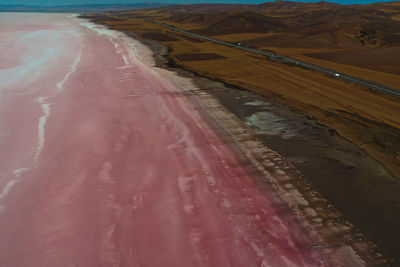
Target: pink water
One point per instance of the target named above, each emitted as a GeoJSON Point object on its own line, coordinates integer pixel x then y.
{"type": "Point", "coordinates": [103, 164]}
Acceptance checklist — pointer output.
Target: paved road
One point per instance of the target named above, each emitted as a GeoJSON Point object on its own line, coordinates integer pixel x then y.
{"type": "Point", "coordinates": [284, 59]}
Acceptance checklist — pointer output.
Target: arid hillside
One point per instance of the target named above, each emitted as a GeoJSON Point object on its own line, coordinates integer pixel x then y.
{"type": "Point", "coordinates": [352, 26]}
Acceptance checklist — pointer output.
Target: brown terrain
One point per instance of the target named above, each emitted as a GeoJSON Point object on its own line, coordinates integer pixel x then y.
{"type": "Point", "coordinates": [360, 40]}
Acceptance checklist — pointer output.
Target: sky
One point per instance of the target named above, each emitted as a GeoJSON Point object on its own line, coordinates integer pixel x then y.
{"type": "Point", "coordinates": [75, 2]}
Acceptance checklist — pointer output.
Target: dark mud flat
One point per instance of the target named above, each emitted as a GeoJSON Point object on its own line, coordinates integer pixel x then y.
{"type": "Point", "coordinates": [358, 186]}
{"type": "Point", "coordinates": [159, 37]}
{"type": "Point", "coordinates": [354, 183]}
{"type": "Point", "coordinates": [199, 56]}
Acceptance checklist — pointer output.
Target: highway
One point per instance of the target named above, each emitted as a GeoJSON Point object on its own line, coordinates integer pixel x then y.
{"type": "Point", "coordinates": [284, 59]}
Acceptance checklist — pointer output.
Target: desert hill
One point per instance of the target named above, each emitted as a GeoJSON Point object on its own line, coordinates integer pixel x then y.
{"type": "Point", "coordinates": [80, 8]}
{"type": "Point", "coordinates": [348, 26]}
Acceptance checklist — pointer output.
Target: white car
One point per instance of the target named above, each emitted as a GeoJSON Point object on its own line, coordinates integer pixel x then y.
{"type": "Point", "coordinates": [337, 74]}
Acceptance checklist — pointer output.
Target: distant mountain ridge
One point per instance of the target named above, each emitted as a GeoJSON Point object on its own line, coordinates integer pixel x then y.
{"type": "Point", "coordinates": [336, 25]}
{"type": "Point", "coordinates": [79, 8]}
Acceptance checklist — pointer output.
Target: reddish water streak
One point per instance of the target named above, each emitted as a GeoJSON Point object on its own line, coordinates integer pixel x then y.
{"type": "Point", "coordinates": [130, 174]}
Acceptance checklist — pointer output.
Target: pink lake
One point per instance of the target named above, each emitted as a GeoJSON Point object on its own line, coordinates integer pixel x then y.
{"type": "Point", "coordinates": [103, 162]}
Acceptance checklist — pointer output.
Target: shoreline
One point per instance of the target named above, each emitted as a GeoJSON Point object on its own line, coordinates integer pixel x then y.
{"type": "Point", "coordinates": [271, 174]}
{"type": "Point", "coordinates": [219, 90]}
{"type": "Point", "coordinates": [222, 91]}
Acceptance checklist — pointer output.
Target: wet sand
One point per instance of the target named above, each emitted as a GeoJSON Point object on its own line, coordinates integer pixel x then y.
{"type": "Point", "coordinates": [109, 161]}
